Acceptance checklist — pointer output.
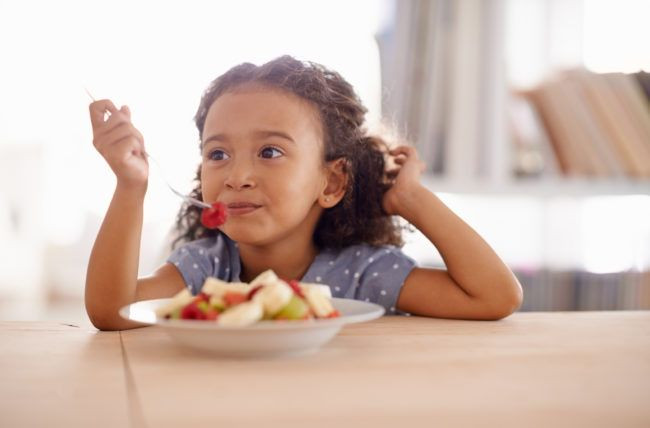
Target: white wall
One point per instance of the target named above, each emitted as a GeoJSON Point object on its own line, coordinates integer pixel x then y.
{"type": "Point", "coordinates": [157, 57]}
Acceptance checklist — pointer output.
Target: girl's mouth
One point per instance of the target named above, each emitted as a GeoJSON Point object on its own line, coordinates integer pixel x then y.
{"type": "Point", "coordinates": [241, 208]}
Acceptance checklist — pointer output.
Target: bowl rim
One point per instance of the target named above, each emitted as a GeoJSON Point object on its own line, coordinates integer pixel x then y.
{"type": "Point", "coordinates": [370, 311]}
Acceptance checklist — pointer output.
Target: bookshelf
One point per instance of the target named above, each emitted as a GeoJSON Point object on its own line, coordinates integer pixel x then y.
{"type": "Point", "coordinates": [584, 124]}
{"type": "Point", "coordinates": [608, 129]}
{"type": "Point", "coordinates": [553, 147]}
{"type": "Point", "coordinates": [446, 88]}
{"type": "Point", "coordinates": [577, 133]}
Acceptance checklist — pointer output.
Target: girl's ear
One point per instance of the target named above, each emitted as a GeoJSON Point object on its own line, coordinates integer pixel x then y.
{"type": "Point", "coordinates": [336, 175]}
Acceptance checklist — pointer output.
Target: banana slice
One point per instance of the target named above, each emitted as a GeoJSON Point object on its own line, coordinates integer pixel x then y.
{"type": "Point", "coordinates": [318, 302]}
{"type": "Point", "coordinates": [181, 299]}
{"type": "Point", "coordinates": [274, 296]}
{"type": "Point", "coordinates": [323, 289]}
{"type": "Point", "coordinates": [217, 288]}
{"type": "Point", "coordinates": [243, 314]}
{"type": "Point", "coordinates": [266, 277]}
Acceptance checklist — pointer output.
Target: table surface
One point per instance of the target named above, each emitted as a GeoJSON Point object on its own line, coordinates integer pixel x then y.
{"type": "Point", "coordinates": [530, 369]}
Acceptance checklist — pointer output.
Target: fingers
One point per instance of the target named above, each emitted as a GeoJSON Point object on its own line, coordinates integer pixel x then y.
{"type": "Point", "coordinates": [117, 119]}
{"type": "Point", "coordinates": [119, 142]}
{"type": "Point", "coordinates": [126, 110]}
{"type": "Point", "coordinates": [403, 150]}
{"type": "Point", "coordinates": [119, 154]}
{"type": "Point", "coordinates": [391, 174]}
{"type": "Point", "coordinates": [124, 130]}
{"type": "Point", "coordinates": [402, 154]}
{"type": "Point", "coordinates": [97, 110]}
{"type": "Point", "coordinates": [121, 126]}
{"type": "Point", "coordinates": [400, 160]}
{"type": "Point", "coordinates": [119, 131]}
{"type": "Point", "coordinates": [117, 134]}
{"type": "Point", "coordinates": [128, 146]}
{"type": "Point", "coordinates": [404, 157]}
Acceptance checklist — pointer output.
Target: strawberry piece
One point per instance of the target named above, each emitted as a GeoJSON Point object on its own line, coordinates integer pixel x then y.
{"type": "Point", "coordinates": [211, 314]}
{"type": "Point", "coordinates": [214, 216]}
{"type": "Point", "coordinates": [232, 298]}
{"type": "Point", "coordinates": [333, 314]}
{"type": "Point", "coordinates": [192, 312]}
{"type": "Point", "coordinates": [201, 297]}
{"type": "Point", "coordinates": [253, 292]}
{"type": "Point", "coordinates": [295, 285]}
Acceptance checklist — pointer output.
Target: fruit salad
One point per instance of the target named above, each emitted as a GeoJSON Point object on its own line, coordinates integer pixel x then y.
{"type": "Point", "coordinates": [267, 297]}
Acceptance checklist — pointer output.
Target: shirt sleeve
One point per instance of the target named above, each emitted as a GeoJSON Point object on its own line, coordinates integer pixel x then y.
{"type": "Point", "coordinates": [195, 262]}
{"type": "Point", "coordinates": [383, 276]}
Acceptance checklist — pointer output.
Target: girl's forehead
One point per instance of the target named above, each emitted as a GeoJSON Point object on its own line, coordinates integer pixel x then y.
{"type": "Point", "coordinates": [251, 107]}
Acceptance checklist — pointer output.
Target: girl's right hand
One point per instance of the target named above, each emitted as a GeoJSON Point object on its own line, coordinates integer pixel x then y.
{"type": "Point", "coordinates": [120, 143]}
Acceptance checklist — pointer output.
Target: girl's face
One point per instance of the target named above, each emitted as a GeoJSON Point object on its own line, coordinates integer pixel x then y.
{"type": "Point", "coordinates": [262, 155]}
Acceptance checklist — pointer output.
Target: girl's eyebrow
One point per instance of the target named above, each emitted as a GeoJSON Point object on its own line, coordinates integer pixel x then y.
{"type": "Point", "coordinates": [260, 134]}
{"type": "Point", "coordinates": [216, 137]}
{"type": "Point", "coordinates": [263, 133]}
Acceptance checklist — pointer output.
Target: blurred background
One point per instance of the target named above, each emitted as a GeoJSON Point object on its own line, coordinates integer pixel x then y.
{"type": "Point", "coordinates": [532, 115]}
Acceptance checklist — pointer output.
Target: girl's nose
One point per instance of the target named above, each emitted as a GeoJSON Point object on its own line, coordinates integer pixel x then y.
{"type": "Point", "coordinates": [240, 176]}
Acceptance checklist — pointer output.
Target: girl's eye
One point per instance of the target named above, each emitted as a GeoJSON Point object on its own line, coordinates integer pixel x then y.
{"type": "Point", "coordinates": [218, 155]}
{"type": "Point", "coordinates": [270, 152]}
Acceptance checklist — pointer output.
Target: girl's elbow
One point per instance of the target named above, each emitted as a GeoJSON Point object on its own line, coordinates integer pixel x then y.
{"type": "Point", "coordinates": [517, 297]}
{"type": "Point", "coordinates": [506, 305]}
{"type": "Point", "coordinates": [509, 305]}
{"type": "Point", "coordinates": [103, 320]}
{"type": "Point", "coordinates": [102, 323]}
{"type": "Point", "coordinates": [110, 321]}
{"type": "Point", "coordinates": [504, 311]}
{"type": "Point", "coordinates": [113, 325]}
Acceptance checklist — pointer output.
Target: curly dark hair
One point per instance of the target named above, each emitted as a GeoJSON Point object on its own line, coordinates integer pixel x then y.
{"type": "Point", "coordinates": [359, 217]}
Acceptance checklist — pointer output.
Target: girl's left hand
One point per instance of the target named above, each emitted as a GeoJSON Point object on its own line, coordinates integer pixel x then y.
{"type": "Point", "coordinates": [405, 178]}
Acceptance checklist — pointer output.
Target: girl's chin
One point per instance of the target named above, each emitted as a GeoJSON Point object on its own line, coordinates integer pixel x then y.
{"type": "Point", "coordinates": [246, 236]}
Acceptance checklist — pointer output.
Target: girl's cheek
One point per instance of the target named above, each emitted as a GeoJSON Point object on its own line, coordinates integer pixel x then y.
{"type": "Point", "coordinates": [209, 191]}
{"type": "Point", "coordinates": [207, 187]}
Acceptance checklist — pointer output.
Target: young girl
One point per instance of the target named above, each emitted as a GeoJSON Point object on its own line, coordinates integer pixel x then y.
{"type": "Point", "coordinates": [284, 147]}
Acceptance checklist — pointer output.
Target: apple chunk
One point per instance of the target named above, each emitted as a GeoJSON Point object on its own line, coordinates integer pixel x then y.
{"type": "Point", "coordinates": [296, 309]}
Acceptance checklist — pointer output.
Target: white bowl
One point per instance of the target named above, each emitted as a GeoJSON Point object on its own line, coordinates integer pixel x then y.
{"type": "Point", "coordinates": [263, 339]}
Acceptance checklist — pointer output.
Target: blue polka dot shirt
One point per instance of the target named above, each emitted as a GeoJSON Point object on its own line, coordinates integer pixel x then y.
{"type": "Point", "coordinates": [361, 272]}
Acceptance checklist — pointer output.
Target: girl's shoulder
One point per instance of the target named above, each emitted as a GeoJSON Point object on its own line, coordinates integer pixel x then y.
{"type": "Point", "coordinates": [363, 272]}
{"type": "Point", "coordinates": [216, 256]}
{"type": "Point", "coordinates": [364, 254]}
{"type": "Point", "coordinates": [211, 246]}
{"type": "Point", "coordinates": [361, 262]}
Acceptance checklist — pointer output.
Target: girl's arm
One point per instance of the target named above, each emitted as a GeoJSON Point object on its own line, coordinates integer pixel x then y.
{"type": "Point", "coordinates": [477, 284]}
{"type": "Point", "coordinates": [111, 280]}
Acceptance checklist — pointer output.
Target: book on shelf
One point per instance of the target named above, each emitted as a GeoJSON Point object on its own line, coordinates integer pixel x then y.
{"type": "Point", "coordinates": [548, 289]}
{"type": "Point", "coordinates": [612, 113]}
{"type": "Point", "coordinates": [532, 150]}
{"type": "Point", "coordinates": [598, 125]}
{"type": "Point", "coordinates": [633, 98]}
{"type": "Point", "coordinates": [554, 106]}
{"type": "Point", "coordinates": [590, 133]}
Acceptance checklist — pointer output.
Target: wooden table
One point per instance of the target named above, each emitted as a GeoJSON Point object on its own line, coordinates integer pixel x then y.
{"type": "Point", "coordinates": [532, 369]}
